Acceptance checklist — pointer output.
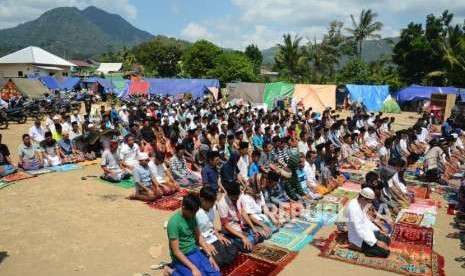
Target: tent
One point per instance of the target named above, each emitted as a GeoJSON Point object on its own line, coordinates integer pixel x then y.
{"type": "Point", "coordinates": [318, 97]}
{"type": "Point", "coordinates": [109, 67]}
{"type": "Point", "coordinates": [418, 92]}
{"type": "Point", "coordinates": [50, 82]}
{"type": "Point", "coordinates": [276, 90]}
{"type": "Point", "coordinates": [27, 87]}
{"type": "Point", "coordinates": [70, 83]}
{"type": "Point", "coordinates": [174, 87]}
{"type": "Point", "coordinates": [248, 91]}
{"type": "Point", "coordinates": [372, 96]}
{"type": "Point", "coordinates": [104, 84]}
{"type": "Point", "coordinates": [390, 106]}
{"type": "Point", "coordinates": [138, 86]}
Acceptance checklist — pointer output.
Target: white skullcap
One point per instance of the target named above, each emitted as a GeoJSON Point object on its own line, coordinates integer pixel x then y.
{"type": "Point", "coordinates": [367, 193]}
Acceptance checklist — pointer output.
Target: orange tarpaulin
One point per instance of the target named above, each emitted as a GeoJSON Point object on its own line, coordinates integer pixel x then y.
{"type": "Point", "coordinates": [318, 97]}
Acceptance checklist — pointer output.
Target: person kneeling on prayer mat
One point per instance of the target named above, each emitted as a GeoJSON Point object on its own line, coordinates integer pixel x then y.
{"type": "Point", "coordinates": [29, 155]}
{"type": "Point", "coordinates": [6, 165]}
{"type": "Point", "coordinates": [68, 151]}
{"type": "Point", "coordinates": [184, 241]}
{"type": "Point", "coordinates": [112, 171]}
{"type": "Point", "coordinates": [50, 151]}
{"type": "Point", "coordinates": [161, 175]}
{"type": "Point", "coordinates": [233, 224]}
{"type": "Point", "coordinates": [146, 187]}
{"type": "Point", "coordinates": [224, 250]}
{"type": "Point", "coordinates": [362, 233]}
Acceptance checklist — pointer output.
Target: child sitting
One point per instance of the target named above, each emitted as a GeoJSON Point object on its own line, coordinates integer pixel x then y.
{"type": "Point", "coordinates": [162, 175]}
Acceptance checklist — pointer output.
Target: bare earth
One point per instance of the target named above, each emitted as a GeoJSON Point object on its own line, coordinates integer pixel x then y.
{"type": "Point", "coordinates": [58, 224]}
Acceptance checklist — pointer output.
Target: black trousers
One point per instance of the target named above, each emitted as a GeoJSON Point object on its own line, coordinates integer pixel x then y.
{"type": "Point", "coordinates": [375, 250]}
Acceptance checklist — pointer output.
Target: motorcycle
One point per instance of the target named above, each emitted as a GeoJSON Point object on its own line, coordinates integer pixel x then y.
{"type": "Point", "coordinates": [3, 119]}
{"type": "Point", "coordinates": [15, 115]}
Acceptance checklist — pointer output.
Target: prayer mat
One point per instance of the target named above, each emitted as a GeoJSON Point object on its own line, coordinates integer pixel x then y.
{"type": "Point", "coordinates": [344, 193]}
{"type": "Point", "coordinates": [357, 178]}
{"type": "Point", "coordinates": [194, 188]}
{"type": "Point", "coordinates": [404, 259]}
{"type": "Point", "coordinates": [247, 265]}
{"type": "Point", "coordinates": [420, 192]}
{"type": "Point", "coordinates": [429, 219]}
{"type": "Point", "coordinates": [272, 254]}
{"type": "Point", "coordinates": [290, 241]}
{"type": "Point", "coordinates": [4, 184]}
{"type": "Point", "coordinates": [409, 218]}
{"type": "Point", "coordinates": [427, 202]}
{"type": "Point", "coordinates": [336, 199]}
{"type": "Point", "coordinates": [169, 203]}
{"type": "Point", "coordinates": [126, 184]}
{"type": "Point", "coordinates": [89, 162]}
{"type": "Point", "coordinates": [350, 186]}
{"type": "Point", "coordinates": [298, 226]}
{"type": "Point", "coordinates": [39, 171]}
{"type": "Point", "coordinates": [65, 168]}
{"type": "Point", "coordinates": [17, 176]}
{"type": "Point", "coordinates": [409, 234]}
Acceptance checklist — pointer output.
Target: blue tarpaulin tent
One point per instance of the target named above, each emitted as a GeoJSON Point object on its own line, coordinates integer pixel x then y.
{"type": "Point", "coordinates": [173, 87]}
{"type": "Point", "coordinates": [418, 92]}
{"type": "Point", "coordinates": [50, 82]}
{"type": "Point", "coordinates": [105, 83]}
{"type": "Point", "coordinates": [372, 96]}
{"type": "Point", "coordinates": [70, 83]}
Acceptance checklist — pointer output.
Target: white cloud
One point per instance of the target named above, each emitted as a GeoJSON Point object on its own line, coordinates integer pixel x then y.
{"type": "Point", "coordinates": [194, 31]}
{"type": "Point", "coordinates": [13, 12]}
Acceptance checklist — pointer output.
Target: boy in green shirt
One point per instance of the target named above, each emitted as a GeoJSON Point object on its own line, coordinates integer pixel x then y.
{"type": "Point", "coordinates": [185, 239]}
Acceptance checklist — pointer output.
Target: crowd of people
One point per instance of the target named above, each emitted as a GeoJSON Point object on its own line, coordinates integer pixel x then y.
{"type": "Point", "coordinates": [257, 168]}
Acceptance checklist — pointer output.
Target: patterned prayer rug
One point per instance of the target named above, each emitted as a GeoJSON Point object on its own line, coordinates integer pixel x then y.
{"type": "Point", "coordinates": [65, 168]}
{"type": "Point", "coordinates": [404, 259]}
{"type": "Point", "coordinates": [357, 178]}
{"type": "Point", "coordinates": [323, 212]}
{"type": "Point", "coordinates": [290, 241]}
{"type": "Point", "coordinates": [272, 254]}
{"type": "Point", "coordinates": [409, 234]}
{"type": "Point", "coordinates": [39, 171]}
{"type": "Point", "coordinates": [409, 218]}
{"type": "Point", "coordinates": [351, 186]}
{"type": "Point", "coordinates": [4, 184]}
{"type": "Point", "coordinates": [169, 203]}
{"type": "Point", "coordinates": [17, 176]}
{"type": "Point", "coordinates": [344, 193]}
{"type": "Point", "coordinates": [126, 184]}
{"type": "Point", "coordinates": [247, 265]}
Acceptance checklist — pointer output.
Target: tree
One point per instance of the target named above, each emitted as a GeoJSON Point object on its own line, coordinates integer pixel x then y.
{"type": "Point", "coordinates": [354, 71]}
{"type": "Point", "coordinates": [365, 28]}
{"type": "Point", "coordinates": [198, 59]}
{"type": "Point", "coordinates": [160, 56]}
{"type": "Point", "coordinates": [291, 59]}
{"type": "Point", "coordinates": [255, 56]}
{"type": "Point", "coordinates": [230, 66]}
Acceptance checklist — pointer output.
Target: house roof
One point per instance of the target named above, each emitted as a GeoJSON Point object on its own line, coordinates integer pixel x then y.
{"type": "Point", "coordinates": [34, 55]}
{"type": "Point", "coordinates": [81, 63]}
{"type": "Point", "coordinates": [109, 67]}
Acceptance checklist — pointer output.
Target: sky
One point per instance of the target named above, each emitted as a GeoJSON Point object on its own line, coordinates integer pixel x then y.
{"type": "Point", "coordinates": [238, 23]}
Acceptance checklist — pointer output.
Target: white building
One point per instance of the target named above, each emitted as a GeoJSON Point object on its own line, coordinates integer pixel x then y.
{"type": "Point", "coordinates": [33, 60]}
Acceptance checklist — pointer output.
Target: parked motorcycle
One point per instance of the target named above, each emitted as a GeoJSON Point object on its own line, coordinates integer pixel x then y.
{"type": "Point", "coordinates": [15, 115]}
{"type": "Point", "coordinates": [34, 110]}
{"type": "Point", "coordinates": [3, 119]}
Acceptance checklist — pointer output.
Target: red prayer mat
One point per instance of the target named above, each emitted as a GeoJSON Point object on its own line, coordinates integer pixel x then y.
{"type": "Point", "coordinates": [273, 254]}
{"type": "Point", "coordinates": [408, 234]}
{"type": "Point", "coordinates": [404, 259]}
{"type": "Point", "coordinates": [20, 175]}
{"type": "Point", "coordinates": [169, 203]}
{"type": "Point", "coordinates": [247, 265]}
{"type": "Point", "coordinates": [420, 192]}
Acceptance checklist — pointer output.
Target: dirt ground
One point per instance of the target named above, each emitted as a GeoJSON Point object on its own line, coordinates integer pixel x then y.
{"type": "Point", "coordinates": [58, 224]}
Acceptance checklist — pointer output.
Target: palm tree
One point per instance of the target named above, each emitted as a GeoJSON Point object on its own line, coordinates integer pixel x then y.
{"type": "Point", "coordinates": [365, 28]}
{"type": "Point", "coordinates": [290, 59]}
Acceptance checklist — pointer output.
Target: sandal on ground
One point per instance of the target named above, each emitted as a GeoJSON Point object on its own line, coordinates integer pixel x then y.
{"type": "Point", "coordinates": [453, 236]}
{"type": "Point", "coordinates": [460, 259]}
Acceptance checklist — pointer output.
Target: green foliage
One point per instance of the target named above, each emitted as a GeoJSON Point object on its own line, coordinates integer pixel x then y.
{"type": "Point", "coordinates": [160, 56]}
{"type": "Point", "coordinates": [365, 28]}
{"type": "Point", "coordinates": [291, 60]}
{"type": "Point", "coordinates": [434, 55]}
{"type": "Point", "coordinates": [354, 71]}
{"type": "Point", "coordinates": [198, 59]}
{"type": "Point", "coordinates": [231, 66]}
{"type": "Point", "coordinates": [255, 56]}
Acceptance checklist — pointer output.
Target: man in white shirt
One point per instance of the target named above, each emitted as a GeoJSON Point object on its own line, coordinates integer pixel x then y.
{"type": "Point", "coordinates": [37, 132]}
{"type": "Point", "coordinates": [243, 163]}
{"type": "Point", "coordinates": [128, 153]}
{"type": "Point", "coordinates": [361, 231]}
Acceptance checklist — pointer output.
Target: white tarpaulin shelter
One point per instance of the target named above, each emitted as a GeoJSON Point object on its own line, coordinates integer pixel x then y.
{"type": "Point", "coordinates": [109, 67]}
{"type": "Point", "coordinates": [34, 55]}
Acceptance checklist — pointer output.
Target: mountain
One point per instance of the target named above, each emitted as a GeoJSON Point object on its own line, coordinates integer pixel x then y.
{"type": "Point", "coordinates": [73, 33]}
{"type": "Point", "coordinates": [372, 50]}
